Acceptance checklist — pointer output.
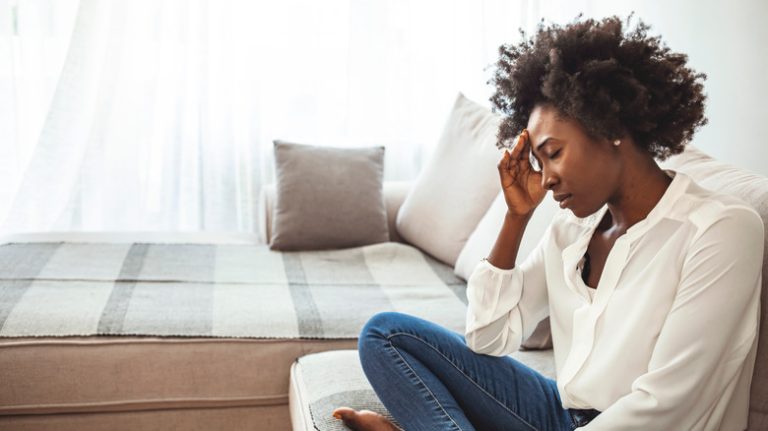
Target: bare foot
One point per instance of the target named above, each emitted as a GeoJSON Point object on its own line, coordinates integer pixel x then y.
{"type": "Point", "coordinates": [364, 420]}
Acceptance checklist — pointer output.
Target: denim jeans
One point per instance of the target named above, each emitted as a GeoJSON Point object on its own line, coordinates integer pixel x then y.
{"type": "Point", "coordinates": [428, 379]}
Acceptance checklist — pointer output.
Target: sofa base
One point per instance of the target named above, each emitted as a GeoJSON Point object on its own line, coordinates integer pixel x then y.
{"type": "Point", "coordinates": [200, 419]}
{"type": "Point", "coordinates": [149, 383]}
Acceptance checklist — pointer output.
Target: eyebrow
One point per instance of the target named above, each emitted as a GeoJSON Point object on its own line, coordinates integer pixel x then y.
{"type": "Point", "coordinates": [542, 143]}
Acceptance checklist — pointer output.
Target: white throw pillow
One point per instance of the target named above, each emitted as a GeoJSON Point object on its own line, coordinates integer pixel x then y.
{"type": "Point", "coordinates": [483, 238]}
{"type": "Point", "coordinates": [456, 186]}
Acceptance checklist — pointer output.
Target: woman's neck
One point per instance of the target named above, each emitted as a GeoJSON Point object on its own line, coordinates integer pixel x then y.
{"type": "Point", "coordinates": [640, 190]}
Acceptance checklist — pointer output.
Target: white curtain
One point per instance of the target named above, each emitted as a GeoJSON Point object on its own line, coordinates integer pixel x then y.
{"type": "Point", "coordinates": [159, 115]}
{"type": "Point", "coordinates": [33, 42]}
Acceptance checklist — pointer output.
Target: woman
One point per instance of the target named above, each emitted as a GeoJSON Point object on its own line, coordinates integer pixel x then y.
{"type": "Point", "coordinates": [651, 282]}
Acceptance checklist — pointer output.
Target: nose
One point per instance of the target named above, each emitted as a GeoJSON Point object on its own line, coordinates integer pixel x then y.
{"type": "Point", "coordinates": [548, 180]}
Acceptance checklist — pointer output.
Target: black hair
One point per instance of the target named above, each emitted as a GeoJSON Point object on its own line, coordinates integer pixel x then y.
{"type": "Point", "coordinates": [612, 82]}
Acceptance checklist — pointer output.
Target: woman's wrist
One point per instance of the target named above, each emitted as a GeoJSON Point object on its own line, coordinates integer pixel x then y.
{"type": "Point", "coordinates": [519, 217]}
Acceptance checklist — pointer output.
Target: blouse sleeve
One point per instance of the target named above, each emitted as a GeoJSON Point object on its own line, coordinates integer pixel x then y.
{"type": "Point", "coordinates": [505, 305]}
{"type": "Point", "coordinates": [707, 336]}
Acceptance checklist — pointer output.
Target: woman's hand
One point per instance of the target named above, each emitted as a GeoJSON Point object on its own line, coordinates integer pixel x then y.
{"type": "Point", "coordinates": [521, 184]}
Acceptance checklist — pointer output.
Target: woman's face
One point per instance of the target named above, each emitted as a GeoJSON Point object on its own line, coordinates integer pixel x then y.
{"type": "Point", "coordinates": [582, 172]}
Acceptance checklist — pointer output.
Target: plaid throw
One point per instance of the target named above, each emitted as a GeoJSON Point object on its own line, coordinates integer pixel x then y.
{"type": "Point", "coordinates": [80, 289]}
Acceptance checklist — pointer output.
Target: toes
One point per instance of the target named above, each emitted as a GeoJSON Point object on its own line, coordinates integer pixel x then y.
{"type": "Point", "coordinates": [344, 412]}
{"type": "Point", "coordinates": [349, 416]}
{"type": "Point", "coordinates": [359, 420]}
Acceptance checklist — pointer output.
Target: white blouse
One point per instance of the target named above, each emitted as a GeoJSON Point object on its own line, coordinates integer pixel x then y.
{"type": "Point", "coordinates": [668, 340]}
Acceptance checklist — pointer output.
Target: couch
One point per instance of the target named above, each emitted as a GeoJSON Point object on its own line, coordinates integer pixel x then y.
{"type": "Point", "coordinates": [63, 368]}
{"type": "Point", "coordinates": [197, 331]}
{"type": "Point", "coordinates": [59, 371]}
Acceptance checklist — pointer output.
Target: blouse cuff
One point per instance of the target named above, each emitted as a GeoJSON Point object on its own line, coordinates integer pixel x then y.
{"type": "Point", "coordinates": [484, 262]}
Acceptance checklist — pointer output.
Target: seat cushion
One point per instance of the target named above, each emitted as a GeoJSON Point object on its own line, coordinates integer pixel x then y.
{"type": "Point", "coordinates": [321, 382]}
{"type": "Point", "coordinates": [198, 290]}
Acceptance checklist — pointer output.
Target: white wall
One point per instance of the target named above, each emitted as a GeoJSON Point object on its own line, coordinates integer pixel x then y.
{"type": "Point", "coordinates": [725, 40]}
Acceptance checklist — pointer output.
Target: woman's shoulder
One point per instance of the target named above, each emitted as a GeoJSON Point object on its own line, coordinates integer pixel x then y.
{"type": "Point", "coordinates": [704, 208]}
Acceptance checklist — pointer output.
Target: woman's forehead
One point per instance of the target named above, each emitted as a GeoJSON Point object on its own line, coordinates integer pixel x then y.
{"type": "Point", "coordinates": [547, 122]}
{"type": "Point", "coordinates": [544, 123]}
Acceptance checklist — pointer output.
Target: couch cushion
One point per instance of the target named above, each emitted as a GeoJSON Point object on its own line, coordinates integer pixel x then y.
{"type": "Point", "coordinates": [324, 381]}
{"type": "Point", "coordinates": [328, 197]}
{"type": "Point", "coordinates": [74, 289]}
{"type": "Point", "coordinates": [456, 186]}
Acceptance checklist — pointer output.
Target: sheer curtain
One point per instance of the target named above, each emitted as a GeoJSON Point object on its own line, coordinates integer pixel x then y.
{"type": "Point", "coordinates": [33, 41]}
{"type": "Point", "coordinates": [159, 115]}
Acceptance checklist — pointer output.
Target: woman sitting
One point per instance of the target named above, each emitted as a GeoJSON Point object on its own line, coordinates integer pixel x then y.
{"type": "Point", "coordinates": [651, 282]}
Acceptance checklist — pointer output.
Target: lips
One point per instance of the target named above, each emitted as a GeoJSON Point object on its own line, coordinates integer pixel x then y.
{"type": "Point", "coordinates": [563, 199]}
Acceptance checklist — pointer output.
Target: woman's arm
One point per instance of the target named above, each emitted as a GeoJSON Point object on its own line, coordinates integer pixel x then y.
{"type": "Point", "coordinates": [504, 252]}
{"type": "Point", "coordinates": [496, 307]}
{"type": "Point", "coordinates": [500, 313]}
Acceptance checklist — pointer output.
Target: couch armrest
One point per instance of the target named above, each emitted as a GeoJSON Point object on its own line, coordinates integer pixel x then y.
{"type": "Point", "coordinates": [394, 195]}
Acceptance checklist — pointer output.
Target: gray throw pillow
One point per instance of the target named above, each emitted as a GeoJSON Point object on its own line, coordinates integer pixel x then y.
{"type": "Point", "coordinates": [328, 197]}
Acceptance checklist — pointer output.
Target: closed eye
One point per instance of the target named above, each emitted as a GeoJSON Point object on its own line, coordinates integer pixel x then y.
{"type": "Point", "coordinates": [555, 154]}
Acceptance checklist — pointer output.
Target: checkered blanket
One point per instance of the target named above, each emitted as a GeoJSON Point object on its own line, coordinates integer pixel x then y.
{"type": "Point", "coordinates": [76, 289]}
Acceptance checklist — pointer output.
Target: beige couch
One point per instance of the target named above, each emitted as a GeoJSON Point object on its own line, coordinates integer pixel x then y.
{"type": "Point", "coordinates": [203, 383]}
{"type": "Point", "coordinates": [207, 383]}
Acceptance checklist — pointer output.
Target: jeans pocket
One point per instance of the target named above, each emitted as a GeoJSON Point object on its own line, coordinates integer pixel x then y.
{"type": "Point", "coordinates": [579, 418]}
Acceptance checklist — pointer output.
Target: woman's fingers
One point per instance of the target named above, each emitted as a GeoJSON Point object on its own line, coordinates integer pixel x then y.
{"type": "Point", "coordinates": [516, 161]}
{"type": "Point", "coordinates": [504, 162]}
{"type": "Point", "coordinates": [518, 148]}
{"type": "Point", "coordinates": [525, 151]}
{"type": "Point", "coordinates": [525, 157]}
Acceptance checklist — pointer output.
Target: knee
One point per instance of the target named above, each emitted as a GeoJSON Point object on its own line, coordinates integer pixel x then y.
{"type": "Point", "coordinates": [380, 326]}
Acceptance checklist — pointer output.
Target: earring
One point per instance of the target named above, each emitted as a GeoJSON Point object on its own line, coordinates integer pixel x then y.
{"type": "Point", "coordinates": [617, 142]}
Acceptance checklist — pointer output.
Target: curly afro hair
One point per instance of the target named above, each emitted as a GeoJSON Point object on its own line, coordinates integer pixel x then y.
{"type": "Point", "coordinates": [613, 83]}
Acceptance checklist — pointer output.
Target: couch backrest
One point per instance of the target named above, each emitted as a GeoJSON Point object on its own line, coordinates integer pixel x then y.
{"type": "Point", "coordinates": [753, 189]}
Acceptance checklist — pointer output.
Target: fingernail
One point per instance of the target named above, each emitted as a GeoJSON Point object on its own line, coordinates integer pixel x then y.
{"type": "Point", "coordinates": [337, 415]}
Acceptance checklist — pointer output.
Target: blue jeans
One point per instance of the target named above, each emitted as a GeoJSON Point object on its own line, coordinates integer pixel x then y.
{"type": "Point", "coordinates": [428, 379]}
